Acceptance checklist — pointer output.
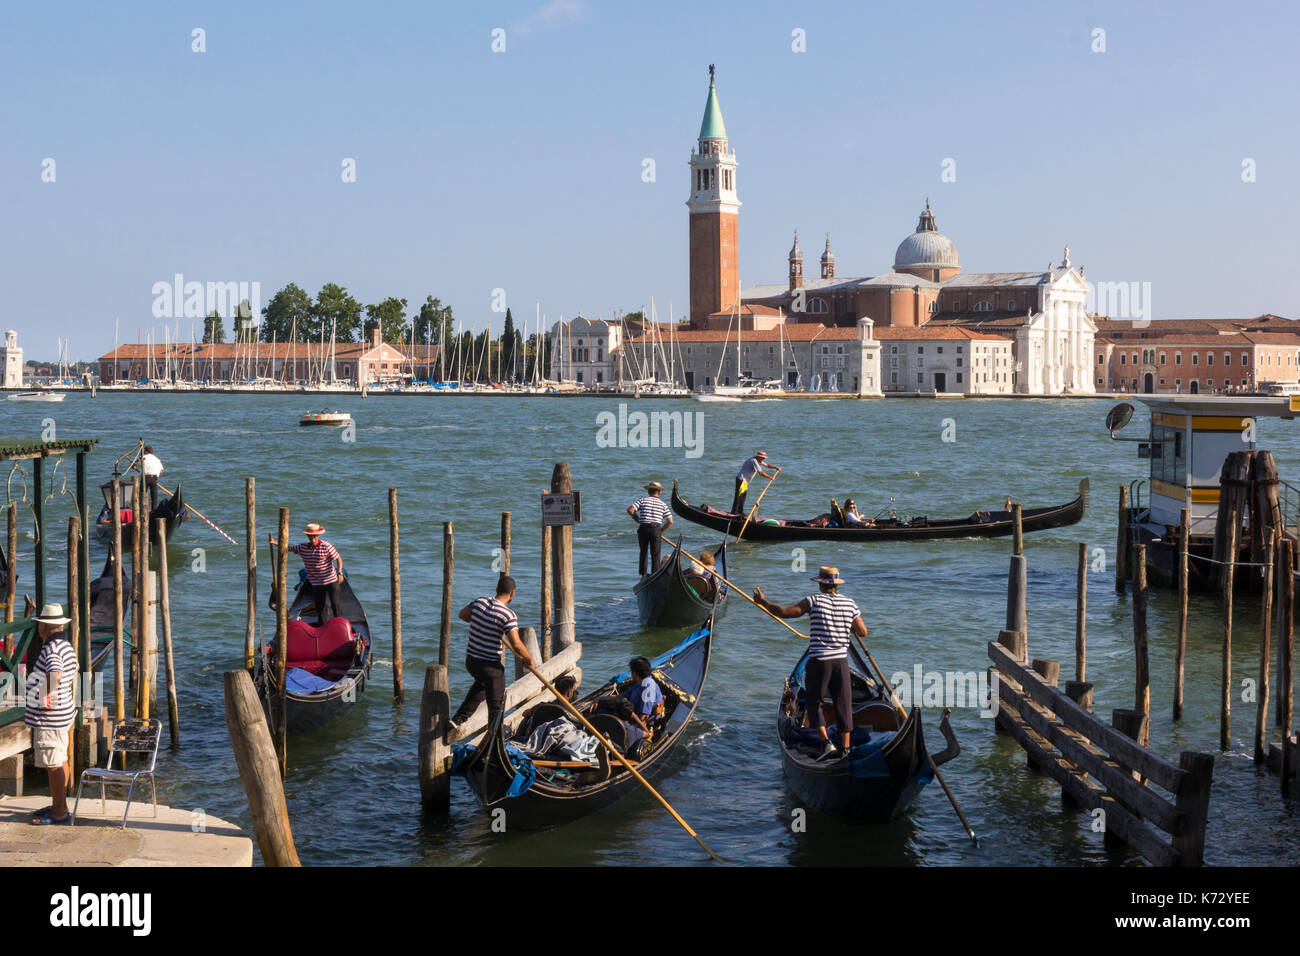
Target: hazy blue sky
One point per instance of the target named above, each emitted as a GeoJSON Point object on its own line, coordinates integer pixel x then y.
{"type": "Point", "coordinates": [522, 170]}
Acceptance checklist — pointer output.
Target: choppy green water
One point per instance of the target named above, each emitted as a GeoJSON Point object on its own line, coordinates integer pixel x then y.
{"type": "Point", "coordinates": [352, 787]}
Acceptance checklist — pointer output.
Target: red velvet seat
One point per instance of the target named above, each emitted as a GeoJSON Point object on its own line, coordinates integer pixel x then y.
{"type": "Point", "coordinates": [324, 651]}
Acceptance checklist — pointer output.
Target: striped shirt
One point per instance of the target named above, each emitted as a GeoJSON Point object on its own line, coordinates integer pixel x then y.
{"type": "Point", "coordinates": [489, 623]}
{"type": "Point", "coordinates": [832, 625]}
{"type": "Point", "coordinates": [56, 655]}
{"type": "Point", "coordinates": [318, 559]}
{"type": "Point", "coordinates": [651, 510]}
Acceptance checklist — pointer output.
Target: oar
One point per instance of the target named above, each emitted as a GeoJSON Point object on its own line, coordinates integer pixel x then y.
{"type": "Point", "coordinates": [204, 519]}
{"type": "Point", "coordinates": [880, 675]}
{"type": "Point", "coordinates": [613, 752]}
{"type": "Point", "coordinates": [933, 766]}
{"type": "Point", "coordinates": [754, 510]}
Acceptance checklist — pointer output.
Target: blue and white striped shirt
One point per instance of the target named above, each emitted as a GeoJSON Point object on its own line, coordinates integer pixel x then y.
{"type": "Point", "coordinates": [489, 623]}
{"type": "Point", "coordinates": [651, 510]}
{"type": "Point", "coordinates": [832, 625]}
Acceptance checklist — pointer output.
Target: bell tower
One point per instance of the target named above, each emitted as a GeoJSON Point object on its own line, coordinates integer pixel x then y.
{"type": "Point", "coordinates": [714, 211]}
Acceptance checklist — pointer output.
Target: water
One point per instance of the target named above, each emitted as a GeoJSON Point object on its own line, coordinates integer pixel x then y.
{"type": "Point", "coordinates": [352, 787]}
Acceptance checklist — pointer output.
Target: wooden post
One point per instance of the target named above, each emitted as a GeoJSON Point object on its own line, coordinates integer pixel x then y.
{"type": "Point", "coordinates": [256, 758]}
{"type": "Point", "coordinates": [1265, 648]}
{"type": "Point", "coordinates": [145, 642]}
{"type": "Point", "coordinates": [1121, 542]}
{"type": "Point", "coordinates": [1017, 594]}
{"type": "Point", "coordinates": [1286, 639]}
{"type": "Point", "coordinates": [546, 592]}
{"type": "Point", "coordinates": [1017, 529]}
{"type": "Point", "coordinates": [1081, 614]}
{"type": "Point", "coordinates": [281, 643]}
{"type": "Point", "coordinates": [562, 566]}
{"type": "Point", "coordinates": [11, 586]}
{"type": "Point", "coordinates": [250, 526]}
{"type": "Point", "coordinates": [137, 588]}
{"type": "Point", "coordinates": [448, 568]}
{"type": "Point", "coordinates": [119, 665]}
{"type": "Point", "coordinates": [1141, 654]}
{"type": "Point", "coordinates": [435, 708]}
{"type": "Point", "coordinates": [169, 663]}
{"type": "Point", "coordinates": [505, 542]}
{"type": "Point", "coordinates": [1015, 642]}
{"type": "Point", "coordinates": [395, 597]}
{"type": "Point", "coordinates": [1193, 802]}
{"type": "Point", "coordinates": [77, 754]}
{"type": "Point", "coordinates": [1180, 651]}
{"type": "Point", "coordinates": [529, 638]}
{"type": "Point", "coordinates": [38, 506]}
{"type": "Point", "coordinates": [1225, 677]}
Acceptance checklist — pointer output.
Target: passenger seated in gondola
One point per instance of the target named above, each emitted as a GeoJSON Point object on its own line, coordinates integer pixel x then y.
{"type": "Point", "coordinates": [702, 576]}
{"type": "Point", "coordinates": [851, 516]}
{"type": "Point", "coordinates": [636, 728]}
{"type": "Point", "coordinates": [645, 696]}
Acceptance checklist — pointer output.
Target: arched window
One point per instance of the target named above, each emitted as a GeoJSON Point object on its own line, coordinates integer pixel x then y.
{"type": "Point", "coordinates": [817, 306]}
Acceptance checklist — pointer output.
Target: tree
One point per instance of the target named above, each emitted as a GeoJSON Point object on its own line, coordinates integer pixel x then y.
{"type": "Point", "coordinates": [508, 345]}
{"type": "Point", "coordinates": [214, 331]}
{"type": "Point", "coordinates": [389, 317]}
{"type": "Point", "coordinates": [288, 317]}
{"type": "Point", "coordinates": [336, 310]}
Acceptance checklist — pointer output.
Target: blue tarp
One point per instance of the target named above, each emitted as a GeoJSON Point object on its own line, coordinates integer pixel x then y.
{"type": "Point", "coordinates": [525, 772]}
{"type": "Point", "coordinates": [299, 681]}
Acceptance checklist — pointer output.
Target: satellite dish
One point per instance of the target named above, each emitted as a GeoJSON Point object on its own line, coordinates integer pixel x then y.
{"type": "Point", "coordinates": [1118, 417]}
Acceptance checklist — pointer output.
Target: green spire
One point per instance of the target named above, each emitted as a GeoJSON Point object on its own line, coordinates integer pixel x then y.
{"type": "Point", "coordinates": [712, 127]}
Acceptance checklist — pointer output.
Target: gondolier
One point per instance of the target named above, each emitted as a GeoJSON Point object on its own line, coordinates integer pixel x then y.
{"type": "Point", "coordinates": [653, 518]}
{"type": "Point", "coordinates": [492, 626]}
{"type": "Point", "coordinates": [752, 466]}
{"type": "Point", "coordinates": [51, 709]}
{"type": "Point", "coordinates": [151, 467]}
{"type": "Point", "coordinates": [324, 565]}
{"type": "Point", "coordinates": [835, 619]}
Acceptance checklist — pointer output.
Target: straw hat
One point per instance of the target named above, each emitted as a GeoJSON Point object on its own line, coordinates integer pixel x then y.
{"type": "Point", "coordinates": [760, 454]}
{"type": "Point", "coordinates": [828, 575]}
{"type": "Point", "coordinates": [654, 486]}
{"type": "Point", "coordinates": [52, 614]}
{"type": "Point", "coordinates": [314, 528]}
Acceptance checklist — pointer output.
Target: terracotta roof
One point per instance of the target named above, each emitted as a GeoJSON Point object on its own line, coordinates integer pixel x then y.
{"type": "Point", "coordinates": [934, 333]}
{"type": "Point", "coordinates": [787, 333]}
{"type": "Point", "coordinates": [228, 351]}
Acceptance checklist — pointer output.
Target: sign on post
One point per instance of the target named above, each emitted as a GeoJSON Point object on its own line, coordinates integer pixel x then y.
{"type": "Point", "coordinates": [559, 509]}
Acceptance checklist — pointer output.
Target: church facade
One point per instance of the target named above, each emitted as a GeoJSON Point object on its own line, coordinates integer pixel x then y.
{"type": "Point", "coordinates": [1043, 314]}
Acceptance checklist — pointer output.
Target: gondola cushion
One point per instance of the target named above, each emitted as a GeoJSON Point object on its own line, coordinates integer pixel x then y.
{"type": "Point", "coordinates": [325, 651]}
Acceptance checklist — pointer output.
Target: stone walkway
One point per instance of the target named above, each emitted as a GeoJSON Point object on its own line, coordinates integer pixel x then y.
{"type": "Point", "coordinates": [98, 839]}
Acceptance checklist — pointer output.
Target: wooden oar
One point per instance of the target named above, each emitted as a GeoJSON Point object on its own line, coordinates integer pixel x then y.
{"type": "Point", "coordinates": [933, 766]}
{"type": "Point", "coordinates": [754, 510]}
{"type": "Point", "coordinates": [897, 704]}
{"type": "Point", "coordinates": [613, 752]}
{"type": "Point", "coordinates": [203, 518]}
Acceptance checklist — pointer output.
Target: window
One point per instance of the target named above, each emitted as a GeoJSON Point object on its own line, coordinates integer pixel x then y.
{"type": "Point", "coordinates": [893, 380]}
{"type": "Point", "coordinates": [1227, 358]}
{"type": "Point", "coordinates": [1011, 304]}
{"type": "Point", "coordinates": [893, 350]}
{"type": "Point", "coordinates": [1209, 360]}
{"type": "Point", "coordinates": [920, 362]}
{"type": "Point", "coordinates": [939, 350]}
{"type": "Point", "coordinates": [919, 380]}
{"type": "Point", "coordinates": [1123, 360]}
{"type": "Point", "coordinates": [920, 350]}
{"type": "Point", "coordinates": [1178, 358]}
{"type": "Point", "coordinates": [959, 363]}
{"type": "Point", "coordinates": [1100, 361]}
{"type": "Point", "coordinates": [1195, 357]}
{"type": "Point", "coordinates": [1162, 358]}
{"type": "Point", "coordinates": [959, 350]}
{"type": "Point", "coordinates": [1245, 358]}
{"type": "Point", "coordinates": [959, 378]}
{"type": "Point", "coordinates": [934, 306]}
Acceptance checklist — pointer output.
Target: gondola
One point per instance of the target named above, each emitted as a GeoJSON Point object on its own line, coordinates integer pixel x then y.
{"type": "Point", "coordinates": [981, 524]}
{"type": "Point", "coordinates": [171, 508]}
{"type": "Point", "coordinates": [538, 793]}
{"type": "Point", "coordinates": [328, 663]}
{"type": "Point", "coordinates": [677, 595]}
{"type": "Point", "coordinates": [101, 616]}
{"type": "Point", "coordinates": [887, 765]}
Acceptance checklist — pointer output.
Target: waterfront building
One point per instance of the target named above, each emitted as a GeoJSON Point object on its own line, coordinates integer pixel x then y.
{"type": "Point", "coordinates": [11, 362]}
{"type": "Point", "coordinates": [1197, 356]}
{"type": "Point", "coordinates": [586, 351]}
{"type": "Point", "coordinates": [945, 359]}
{"type": "Point", "coordinates": [361, 363]}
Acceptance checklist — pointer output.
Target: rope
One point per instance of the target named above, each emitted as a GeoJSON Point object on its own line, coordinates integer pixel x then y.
{"type": "Point", "coordinates": [1235, 564]}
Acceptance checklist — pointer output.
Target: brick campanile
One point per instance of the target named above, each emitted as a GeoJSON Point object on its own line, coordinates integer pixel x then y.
{"type": "Point", "coordinates": [714, 210]}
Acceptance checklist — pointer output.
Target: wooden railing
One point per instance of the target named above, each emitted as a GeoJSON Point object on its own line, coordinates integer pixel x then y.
{"type": "Point", "coordinates": [10, 682]}
{"type": "Point", "coordinates": [1099, 766]}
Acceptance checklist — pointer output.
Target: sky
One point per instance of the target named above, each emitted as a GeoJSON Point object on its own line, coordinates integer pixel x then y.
{"type": "Point", "coordinates": [1163, 150]}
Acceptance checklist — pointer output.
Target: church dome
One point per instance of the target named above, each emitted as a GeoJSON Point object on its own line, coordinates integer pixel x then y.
{"type": "Point", "coordinates": [927, 248]}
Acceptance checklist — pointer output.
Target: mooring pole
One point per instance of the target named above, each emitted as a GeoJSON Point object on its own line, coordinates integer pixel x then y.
{"type": "Point", "coordinates": [1265, 649]}
{"type": "Point", "coordinates": [1180, 652]}
{"type": "Point", "coordinates": [562, 554]}
{"type": "Point", "coordinates": [1225, 675]}
{"type": "Point", "coordinates": [165, 609]}
{"type": "Point", "coordinates": [1081, 614]}
{"type": "Point", "coordinates": [395, 597]}
{"type": "Point", "coordinates": [1142, 688]}
{"type": "Point", "coordinates": [448, 570]}
{"type": "Point", "coordinates": [1121, 542]}
{"type": "Point", "coordinates": [282, 643]}
{"type": "Point", "coordinates": [250, 557]}
{"type": "Point", "coordinates": [119, 664]}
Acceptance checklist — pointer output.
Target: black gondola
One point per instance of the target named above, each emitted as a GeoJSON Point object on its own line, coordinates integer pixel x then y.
{"type": "Point", "coordinates": [981, 524]}
{"type": "Point", "coordinates": [328, 663]}
{"type": "Point", "coordinates": [538, 793]}
{"type": "Point", "coordinates": [171, 509]}
{"type": "Point", "coordinates": [887, 764]}
{"type": "Point", "coordinates": [678, 594]}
